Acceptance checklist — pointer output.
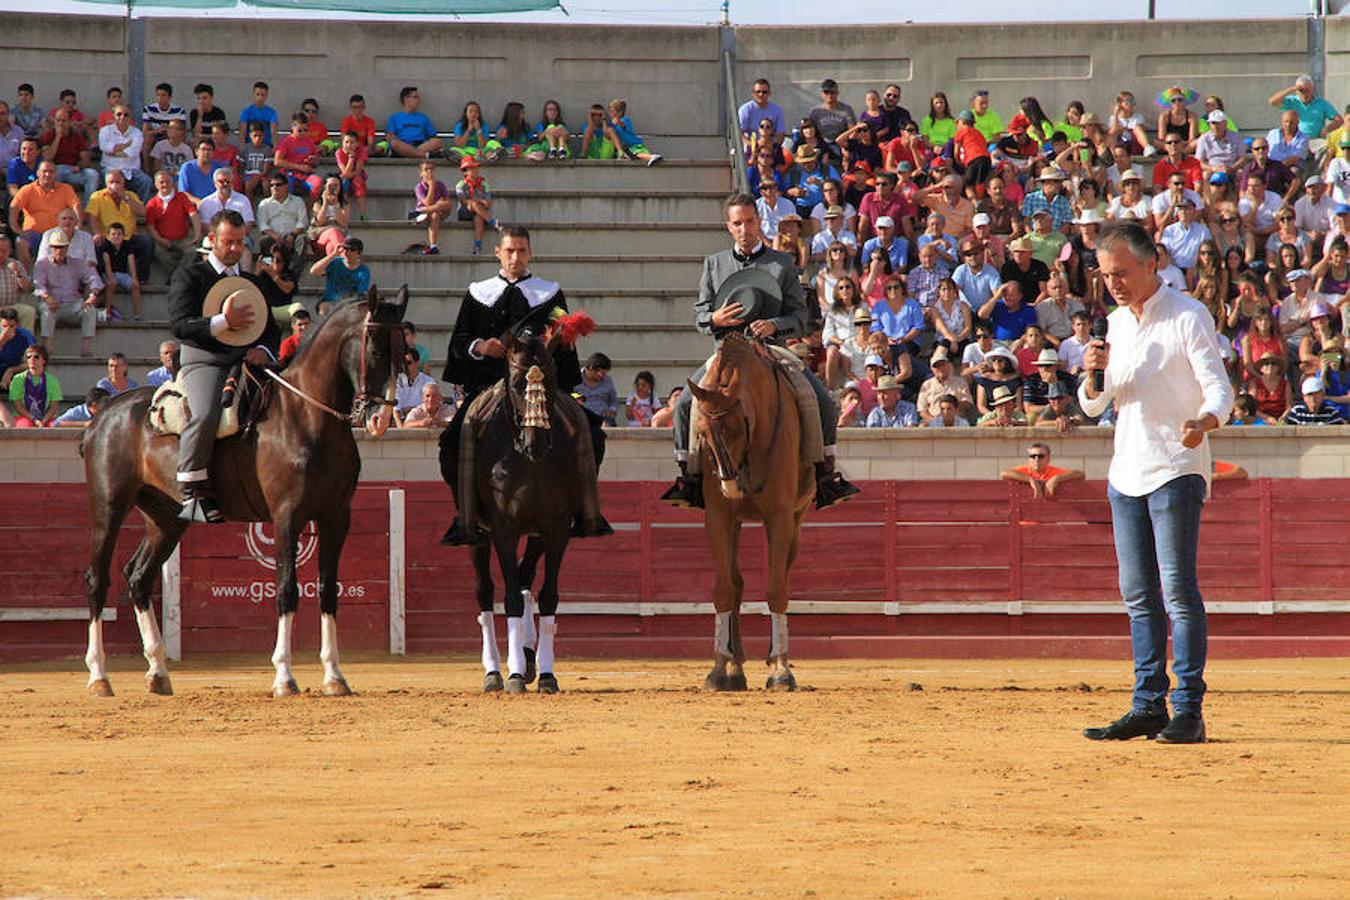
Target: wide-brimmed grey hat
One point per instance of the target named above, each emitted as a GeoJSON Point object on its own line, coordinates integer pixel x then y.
{"type": "Point", "coordinates": [753, 289]}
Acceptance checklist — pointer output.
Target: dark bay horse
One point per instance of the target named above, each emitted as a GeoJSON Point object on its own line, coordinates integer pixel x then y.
{"type": "Point", "coordinates": [527, 455]}
{"type": "Point", "coordinates": [298, 464]}
{"type": "Point", "coordinates": [750, 435]}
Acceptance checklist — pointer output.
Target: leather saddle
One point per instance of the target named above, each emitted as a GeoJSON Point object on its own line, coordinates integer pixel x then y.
{"type": "Point", "coordinates": [169, 412]}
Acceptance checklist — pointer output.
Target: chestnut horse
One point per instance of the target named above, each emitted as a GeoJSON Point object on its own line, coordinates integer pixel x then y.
{"type": "Point", "coordinates": [298, 464]}
{"type": "Point", "coordinates": [750, 435]}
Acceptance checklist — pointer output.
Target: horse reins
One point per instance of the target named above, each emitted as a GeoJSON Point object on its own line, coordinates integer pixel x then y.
{"type": "Point", "coordinates": [773, 437]}
{"type": "Point", "coordinates": [363, 397]}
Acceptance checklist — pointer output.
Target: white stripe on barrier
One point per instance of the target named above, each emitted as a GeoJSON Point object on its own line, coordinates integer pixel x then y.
{"type": "Point", "coordinates": [398, 573]}
{"type": "Point", "coordinates": [171, 605]}
{"type": "Point", "coordinates": [982, 607]}
{"type": "Point", "coordinates": [51, 614]}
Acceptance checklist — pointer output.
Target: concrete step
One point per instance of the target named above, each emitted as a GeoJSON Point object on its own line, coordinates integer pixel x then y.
{"type": "Point", "coordinates": [570, 175]}
{"type": "Point", "coordinates": [525, 207]}
{"type": "Point", "coordinates": [441, 305]}
{"type": "Point", "coordinates": [391, 237]}
{"type": "Point", "coordinates": [638, 341]}
{"type": "Point", "coordinates": [452, 272]}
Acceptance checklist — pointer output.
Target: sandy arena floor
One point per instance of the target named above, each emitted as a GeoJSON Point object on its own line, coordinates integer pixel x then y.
{"type": "Point", "coordinates": [903, 778]}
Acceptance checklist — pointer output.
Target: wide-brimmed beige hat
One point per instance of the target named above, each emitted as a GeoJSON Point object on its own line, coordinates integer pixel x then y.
{"type": "Point", "coordinates": [237, 291]}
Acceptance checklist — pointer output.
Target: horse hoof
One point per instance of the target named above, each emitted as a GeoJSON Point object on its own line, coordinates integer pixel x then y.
{"type": "Point", "coordinates": [787, 682]}
{"type": "Point", "coordinates": [530, 670]}
{"type": "Point", "coordinates": [548, 684]}
{"type": "Point", "coordinates": [100, 687]}
{"type": "Point", "coordinates": [722, 682]}
{"type": "Point", "coordinates": [159, 684]}
{"type": "Point", "coordinates": [515, 684]}
{"type": "Point", "coordinates": [492, 682]}
{"type": "Point", "coordinates": [286, 689]}
{"type": "Point", "coordinates": [337, 688]}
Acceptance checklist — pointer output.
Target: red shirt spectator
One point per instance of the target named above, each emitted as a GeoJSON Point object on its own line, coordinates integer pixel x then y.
{"type": "Point", "coordinates": [300, 150]}
{"type": "Point", "coordinates": [1190, 167]}
{"type": "Point", "coordinates": [68, 148]}
{"type": "Point", "coordinates": [173, 220]}
{"type": "Point", "coordinates": [364, 126]}
{"type": "Point", "coordinates": [969, 144]}
{"type": "Point", "coordinates": [288, 347]}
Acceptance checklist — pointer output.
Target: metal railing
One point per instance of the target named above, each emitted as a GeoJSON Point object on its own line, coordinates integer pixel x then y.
{"type": "Point", "coordinates": [735, 148]}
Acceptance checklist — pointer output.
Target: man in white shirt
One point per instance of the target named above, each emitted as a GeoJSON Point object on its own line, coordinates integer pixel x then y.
{"type": "Point", "coordinates": [1219, 149]}
{"type": "Point", "coordinates": [1184, 236]}
{"type": "Point", "coordinates": [1315, 210]}
{"type": "Point", "coordinates": [1161, 367]}
{"type": "Point", "coordinates": [225, 197]}
{"type": "Point", "coordinates": [121, 144]}
{"type": "Point", "coordinates": [772, 207]}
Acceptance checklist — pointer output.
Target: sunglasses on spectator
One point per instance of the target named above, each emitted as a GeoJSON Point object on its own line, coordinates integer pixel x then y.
{"type": "Point", "coordinates": [1178, 100]}
{"type": "Point", "coordinates": [31, 356]}
{"type": "Point", "coordinates": [1171, 142]}
{"type": "Point", "coordinates": [1035, 456]}
{"type": "Point", "coordinates": [891, 96]}
{"type": "Point", "coordinates": [1284, 218]}
{"type": "Point", "coordinates": [759, 91]}
{"type": "Point", "coordinates": [970, 251]}
{"type": "Point", "coordinates": [1228, 220]}
{"type": "Point", "coordinates": [838, 251]}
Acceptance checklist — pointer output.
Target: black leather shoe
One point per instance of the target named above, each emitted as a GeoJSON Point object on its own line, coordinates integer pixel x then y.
{"type": "Point", "coordinates": [686, 492]}
{"type": "Point", "coordinates": [455, 537]}
{"type": "Point", "coordinates": [1185, 728]}
{"type": "Point", "coordinates": [832, 488]}
{"type": "Point", "coordinates": [1135, 723]}
{"type": "Point", "coordinates": [200, 506]}
{"type": "Point", "coordinates": [599, 528]}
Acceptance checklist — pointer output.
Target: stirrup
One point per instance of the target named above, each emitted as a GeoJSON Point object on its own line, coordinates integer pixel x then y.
{"type": "Point", "coordinates": [198, 508]}
{"type": "Point", "coordinates": [455, 537]}
{"type": "Point", "coordinates": [685, 493]}
{"type": "Point", "coordinates": [599, 528]}
{"type": "Point", "coordinates": [832, 488]}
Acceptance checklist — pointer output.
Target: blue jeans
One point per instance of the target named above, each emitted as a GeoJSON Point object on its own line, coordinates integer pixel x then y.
{"type": "Point", "coordinates": [1157, 537]}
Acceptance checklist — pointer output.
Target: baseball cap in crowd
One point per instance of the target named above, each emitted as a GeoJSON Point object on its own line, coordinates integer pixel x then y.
{"type": "Point", "coordinates": [1055, 391]}
{"type": "Point", "coordinates": [58, 240]}
{"type": "Point", "coordinates": [1129, 175]}
{"type": "Point", "coordinates": [1042, 212]}
{"type": "Point", "coordinates": [885, 222]}
{"type": "Point", "coordinates": [468, 162]}
{"type": "Point", "coordinates": [904, 166]}
{"type": "Point", "coordinates": [1312, 385]}
{"type": "Point", "coordinates": [1002, 395]}
{"type": "Point", "coordinates": [862, 317]}
{"type": "Point", "coordinates": [1297, 274]}
{"type": "Point", "coordinates": [1319, 311]}
{"type": "Point", "coordinates": [354, 243]}
{"type": "Point", "coordinates": [979, 219]}
{"type": "Point", "coordinates": [966, 116]}
{"type": "Point", "coordinates": [874, 359]}
{"type": "Point", "coordinates": [1219, 178]}
{"type": "Point", "coordinates": [829, 84]}
{"type": "Point", "coordinates": [1047, 357]}
{"type": "Point", "coordinates": [1342, 208]}
{"type": "Point", "coordinates": [1216, 117]}
{"type": "Point", "coordinates": [1019, 124]}
{"type": "Point", "coordinates": [834, 212]}
{"type": "Point", "coordinates": [1312, 180]}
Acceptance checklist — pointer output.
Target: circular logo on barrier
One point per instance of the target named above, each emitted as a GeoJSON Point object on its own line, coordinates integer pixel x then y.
{"type": "Point", "coordinates": [261, 545]}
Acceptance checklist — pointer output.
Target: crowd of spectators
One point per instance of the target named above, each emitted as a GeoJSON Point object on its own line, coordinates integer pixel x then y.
{"type": "Point", "coordinates": [89, 203]}
{"type": "Point", "coordinates": [952, 257]}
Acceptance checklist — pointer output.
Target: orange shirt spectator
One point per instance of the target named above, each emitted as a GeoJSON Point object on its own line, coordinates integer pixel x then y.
{"type": "Point", "coordinates": [39, 206]}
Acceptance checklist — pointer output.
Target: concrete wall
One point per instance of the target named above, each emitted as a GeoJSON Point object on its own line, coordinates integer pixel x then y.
{"type": "Point", "coordinates": [1244, 62]}
{"type": "Point", "coordinates": [670, 75]}
{"type": "Point", "coordinates": [916, 455]}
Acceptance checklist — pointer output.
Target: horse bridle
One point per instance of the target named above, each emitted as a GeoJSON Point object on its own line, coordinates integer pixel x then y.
{"type": "Point", "coordinates": [719, 443]}
{"type": "Point", "coordinates": [363, 399]}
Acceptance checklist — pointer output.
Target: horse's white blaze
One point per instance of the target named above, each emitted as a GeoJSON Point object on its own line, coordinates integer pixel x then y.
{"type": "Point", "coordinates": [94, 657]}
{"type": "Point", "coordinates": [328, 652]}
{"type": "Point", "coordinates": [548, 628]}
{"type": "Point", "coordinates": [780, 635]}
{"type": "Point", "coordinates": [531, 635]}
{"type": "Point", "coordinates": [515, 646]}
{"type": "Point", "coordinates": [152, 645]}
{"type": "Point", "coordinates": [281, 657]}
{"type": "Point", "coordinates": [722, 634]}
{"type": "Point", "coordinates": [492, 659]}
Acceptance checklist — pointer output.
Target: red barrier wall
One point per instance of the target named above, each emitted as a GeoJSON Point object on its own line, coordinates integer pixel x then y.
{"type": "Point", "coordinates": [939, 568]}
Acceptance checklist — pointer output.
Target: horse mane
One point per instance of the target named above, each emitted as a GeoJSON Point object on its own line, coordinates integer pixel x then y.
{"type": "Point", "coordinates": [738, 352]}
{"type": "Point", "coordinates": [326, 324]}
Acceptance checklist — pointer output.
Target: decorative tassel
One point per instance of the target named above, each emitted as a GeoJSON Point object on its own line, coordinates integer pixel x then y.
{"type": "Point", "coordinates": [536, 399]}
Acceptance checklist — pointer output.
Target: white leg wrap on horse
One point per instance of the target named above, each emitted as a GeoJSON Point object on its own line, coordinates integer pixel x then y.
{"type": "Point", "coordinates": [328, 652]}
{"type": "Point", "coordinates": [515, 646]}
{"type": "Point", "coordinates": [152, 644]}
{"type": "Point", "coordinates": [779, 647]}
{"type": "Point", "coordinates": [492, 659]}
{"type": "Point", "coordinates": [94, 658]}
{"type": "Point", "coordinates": [531, 635]}
{"type": "Point", "coordinates": [281, 657]}
{"type": "Point", "coordinates": [722, 634]}
{"type": "Point", "coordinates": [548, 628]}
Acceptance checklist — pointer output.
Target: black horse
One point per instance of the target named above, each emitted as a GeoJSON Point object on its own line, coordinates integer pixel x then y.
{"type": "Point", "coordinates": [298, 464]}
{"type": "Point", "coordinates": [525, 460]}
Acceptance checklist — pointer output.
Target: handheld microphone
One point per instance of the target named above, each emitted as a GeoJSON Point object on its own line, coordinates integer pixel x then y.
{"type": "Point", "coordinates": [1099, 375]}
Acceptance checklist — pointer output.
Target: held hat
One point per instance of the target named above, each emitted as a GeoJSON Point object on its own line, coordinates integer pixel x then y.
{"type": "Point", "coordinates": [1002, 395]}
{"type": "Point", "coordinates": [237, 291]}
{"type": "Point", "coordinates": [754, 289]}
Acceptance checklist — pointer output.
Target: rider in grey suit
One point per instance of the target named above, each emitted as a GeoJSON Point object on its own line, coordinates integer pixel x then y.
{"type": "Point", "coordinates": [772, 319]}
